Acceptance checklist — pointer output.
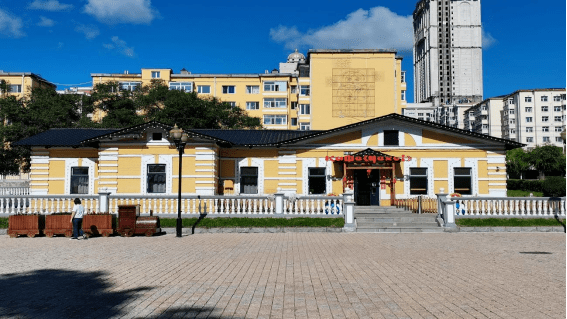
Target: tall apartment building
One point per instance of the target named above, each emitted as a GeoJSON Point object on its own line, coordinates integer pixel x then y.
{"type": "Point", "coordinates": [326, 89]}
{"type": "Point", "coordinates": [485, 117]}
{"type": "Point", "coordinates": [21, 83]}
{"type": "Point", "coordinates": [447, 52]}
{"type": "Point", "coordinates": [534, 117]}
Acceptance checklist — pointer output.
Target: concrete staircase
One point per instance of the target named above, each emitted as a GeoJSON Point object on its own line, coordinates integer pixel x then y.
{"type": "Point", "coordinates": [388, 219]}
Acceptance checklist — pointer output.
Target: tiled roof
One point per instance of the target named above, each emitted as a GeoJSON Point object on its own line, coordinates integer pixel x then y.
{"type": "Point", "coordinates": [63, 137]}
{"type": "Point", "coordinates": [254, 137]}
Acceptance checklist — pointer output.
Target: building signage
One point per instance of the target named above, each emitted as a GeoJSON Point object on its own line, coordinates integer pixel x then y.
{"type": "Point", "coordinates": [367, 159]}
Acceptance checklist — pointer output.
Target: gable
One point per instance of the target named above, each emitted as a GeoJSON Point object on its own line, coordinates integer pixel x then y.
{"type": "Point", "coordinates": [432, 137]}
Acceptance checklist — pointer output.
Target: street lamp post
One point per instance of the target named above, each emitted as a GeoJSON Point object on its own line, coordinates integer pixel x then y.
{"type": "Point", "coordinates": [180, 139]}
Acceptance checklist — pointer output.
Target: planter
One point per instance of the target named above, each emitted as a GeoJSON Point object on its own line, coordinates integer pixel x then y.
{"type": "Point", "coordinates": [58, 225]}
{"type": "Point", "coordinates": [29, 225]}
{"type": "Point", "coordinates": [97, 225]}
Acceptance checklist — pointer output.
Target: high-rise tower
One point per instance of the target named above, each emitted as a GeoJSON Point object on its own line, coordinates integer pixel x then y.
{"type": "Point", "coordinates": [447, 52]}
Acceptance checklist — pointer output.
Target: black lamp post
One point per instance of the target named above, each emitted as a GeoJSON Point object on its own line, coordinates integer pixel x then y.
{"type": "Point", "coordinates": [180, 139]}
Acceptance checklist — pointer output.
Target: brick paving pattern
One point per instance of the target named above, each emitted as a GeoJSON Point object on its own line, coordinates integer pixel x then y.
{"type": "Point", "coordinates": [286, 275]}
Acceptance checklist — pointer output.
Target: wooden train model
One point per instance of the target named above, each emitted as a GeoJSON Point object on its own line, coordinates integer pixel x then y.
{"type": "Point", "coordinates": [129, 223]}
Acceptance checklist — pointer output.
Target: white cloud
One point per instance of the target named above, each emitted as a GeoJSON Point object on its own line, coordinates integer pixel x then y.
{"type": "Point", "coordinates": [123, 11]}
{"type": "Point", "coordinates": [10, 26]}
{"type": "Point", "coordinates": [487, 40]}
{"type": "Point", "coordinates": [60, 45]}
{"type": "Point", "coordinates": [45, 22]}
{"type": "Point", "coordinates": [377, 28]}
{"type": "Point", "coordinates": [120, 46]}
{"type": "Point", "coordinates": [90, 31]}
{"type": "Point", "coordinates": [49, 5]}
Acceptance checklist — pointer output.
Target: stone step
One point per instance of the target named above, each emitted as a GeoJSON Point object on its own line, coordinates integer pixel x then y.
{"type": "Point", "coordinates": [398, 225]}
{"type": "Point", "coordinates": [400, 230]}
{"type": "Point", "coordinates": [392, 219]}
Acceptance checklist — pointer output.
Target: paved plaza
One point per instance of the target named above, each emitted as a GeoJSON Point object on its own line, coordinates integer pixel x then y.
{"type": "Point", "coordinates": [286, 275]}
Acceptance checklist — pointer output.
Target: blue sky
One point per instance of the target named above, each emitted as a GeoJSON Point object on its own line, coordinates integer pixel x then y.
{"type": "Point", "coordinates": [65, 41]}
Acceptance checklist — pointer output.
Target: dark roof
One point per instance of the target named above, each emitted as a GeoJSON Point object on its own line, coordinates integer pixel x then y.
{"type": "Point", "coordinates": [249, 138]}
{"type": "Point", "coordinates": [63, 137]}
{"type": "Point", "coordinates": [254, 137]}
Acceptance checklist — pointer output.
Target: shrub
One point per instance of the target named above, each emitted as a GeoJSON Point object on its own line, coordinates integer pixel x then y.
{"type": "Point", "coordinates": [554, 186]}
{"type": "Point", "coordinates": [525, 185]}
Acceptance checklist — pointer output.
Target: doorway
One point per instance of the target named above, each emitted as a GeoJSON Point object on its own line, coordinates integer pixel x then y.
{"type": "Point", "coordinates": [367, 187]}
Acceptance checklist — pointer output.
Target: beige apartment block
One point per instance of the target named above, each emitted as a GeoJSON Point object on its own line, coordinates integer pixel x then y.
{"type": "Point", "coordinates": [21, 83]}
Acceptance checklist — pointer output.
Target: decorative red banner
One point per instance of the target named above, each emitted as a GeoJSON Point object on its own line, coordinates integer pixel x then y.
{"type": "Point", "coordinates": [367, 159]}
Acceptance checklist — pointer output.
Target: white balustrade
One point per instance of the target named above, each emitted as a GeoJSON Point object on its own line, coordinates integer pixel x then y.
{"type": "Point", "coordinates": [509, 206]}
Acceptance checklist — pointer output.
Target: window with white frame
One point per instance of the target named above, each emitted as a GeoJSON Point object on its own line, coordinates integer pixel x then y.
{"type": "Point", "coordinates": [228, 89]}
{"type": "Point", "coordinates": [129, 86]}
{"type": "Point", "coordinates": [403, 76]}
{"type": "Point", "coordinates": [252, 89]}
{"type": "Point", "coordinates": [293, 105]}
{"type": "Point", "coordinates": [544, 109]}
{"type": "Point", "coordinates": [462, 180]}
{"type": "Point", "coordinates": [512, 121]}
{"type": "Point", "coordinates": [558, 139]}
{"type": "Point", "coordinates": [249, 180]}
{"type": "Point", "coordinates": [275, 103]}
{"type": "Point", "coordinates": [544, 98]}
{"type": "Point", "coordinates": [513, 131]}
{"type": "Point", "coordinates": [293, 89]}
{"type": "Point", "coordinates": [252, 105]}
{"type": "Point", "coordinates": [545, 128]}
{"type": "Point", "coordinates": [15, 88]}
{"type": "Point", "coordinates": [558, 129]}
{"type": "Point", "coordinates": [275, 86]}
{"type": "Point", "coordinates": [528, 109]}
{"type": "Point", "coordinates": [511, 111]}
{"type": "Point", "coordinates": [545, 118]}
{"type": "Point", "coordinates": [558, 119]}
{"type": "Point", "coordinates": [79, 180]}
{"type": "Point", "coordinates": [231, 103]}
{"type": "Point", "coordinates": [557, 108]}
{"type": "Point", "coordinates": [418, 181]}
{"type": "Point", "coordinates": [156, 178]}
{"type": "Point", "coordinates": [529, 139]}
{"type": "Point", "coordinates": [317, 181]}
{"type": "Point", "coordinates": [304, 109]}
{"type": "Point", "coordinates": [204, 89]}
{"type": "Point", "coordinates": [156, 74]}
{"type": "Point", "coordinates": [293, 121]}
{"type": "Point", "coordinates": [181, 86]}
{"type": "Point", "coordinates": [528, 99]}
{"type": "Point", "coordinates": [546, 139]}
{"type": "Point", "coordinates": [529, 119]}
{"type": "Point", "coordinates": [275, 119]}
{"type": "Point", "coordinates": [304, 126]}
{"type": "Point", "coordinates": [557, 98]}
{"type": "Point", "coordinates": [305, 90]}
{"type": "Point", "coordinates": [403, 95]}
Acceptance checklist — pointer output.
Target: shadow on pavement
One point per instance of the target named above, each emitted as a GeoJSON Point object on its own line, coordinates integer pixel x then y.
{"type": "Point", "coordinates": [54, 293]}
{"type": "Point", "coordinates": [188, 312]}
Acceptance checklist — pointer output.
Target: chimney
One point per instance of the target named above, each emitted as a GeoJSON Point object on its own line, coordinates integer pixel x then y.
{"type": "Point", "coordinates": [126, 72]}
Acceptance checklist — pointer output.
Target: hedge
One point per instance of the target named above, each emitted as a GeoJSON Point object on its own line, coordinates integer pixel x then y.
{"type": "Point", "coordinates": [525, 185]}
{"type": "Point", "coordinates": [554, 186]}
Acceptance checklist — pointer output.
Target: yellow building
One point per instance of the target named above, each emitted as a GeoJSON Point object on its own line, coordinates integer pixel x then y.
{"type": "Point", "coordinates": [328, 89]}
{"type": "Point", "coordinates": [381, 159]}
{"type": "Point", "coordinates": [21, 83]}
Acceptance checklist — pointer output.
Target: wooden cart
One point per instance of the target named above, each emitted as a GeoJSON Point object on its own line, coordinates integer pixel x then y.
{"type": "Point", "coordinates": [97, 224]}
{"type": "Point", "coordinates": [29, 225]}
{"type": "Point", "coordinates": [59, 224]}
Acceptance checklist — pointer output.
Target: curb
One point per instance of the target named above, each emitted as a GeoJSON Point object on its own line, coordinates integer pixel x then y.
{"type": "Point", "coordinates": [540, 229]}
{"type": "Point", "coordinates": [256, 230]}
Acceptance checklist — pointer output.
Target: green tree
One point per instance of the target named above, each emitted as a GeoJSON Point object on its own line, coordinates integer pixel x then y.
{"type": "Point", "coordinates": [28, 116]}
{"type": "Point", "coordinates": [119, 106]}
{"type": "Point", "coordinates": [548, 159]}
{"type": "Point", "coordinates": [187, 110]}
{"type": "Point", "coordinates": [517, 161]}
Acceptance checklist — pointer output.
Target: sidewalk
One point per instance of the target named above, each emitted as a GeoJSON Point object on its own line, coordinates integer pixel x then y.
{"type": "Point", "coordinates": [286, 275]}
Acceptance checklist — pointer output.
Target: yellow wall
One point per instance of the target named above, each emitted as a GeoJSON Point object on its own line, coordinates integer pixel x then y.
{"type": "Point", "coordinates": [351, 87]}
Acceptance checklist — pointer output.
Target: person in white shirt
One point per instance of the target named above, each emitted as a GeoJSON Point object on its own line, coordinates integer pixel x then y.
{"type": "Point", "coordinates": [77, 220]}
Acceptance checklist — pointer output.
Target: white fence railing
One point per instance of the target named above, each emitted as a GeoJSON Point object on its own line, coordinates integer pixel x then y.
{"type": "Point", "coordinates": [15, 176]}
{"type": "Point", "coordinates": [450, 208]}
{"type": "Point", "coordinates": [168, 204]}
{"type": "Point", "coordinates": [14, 190]}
